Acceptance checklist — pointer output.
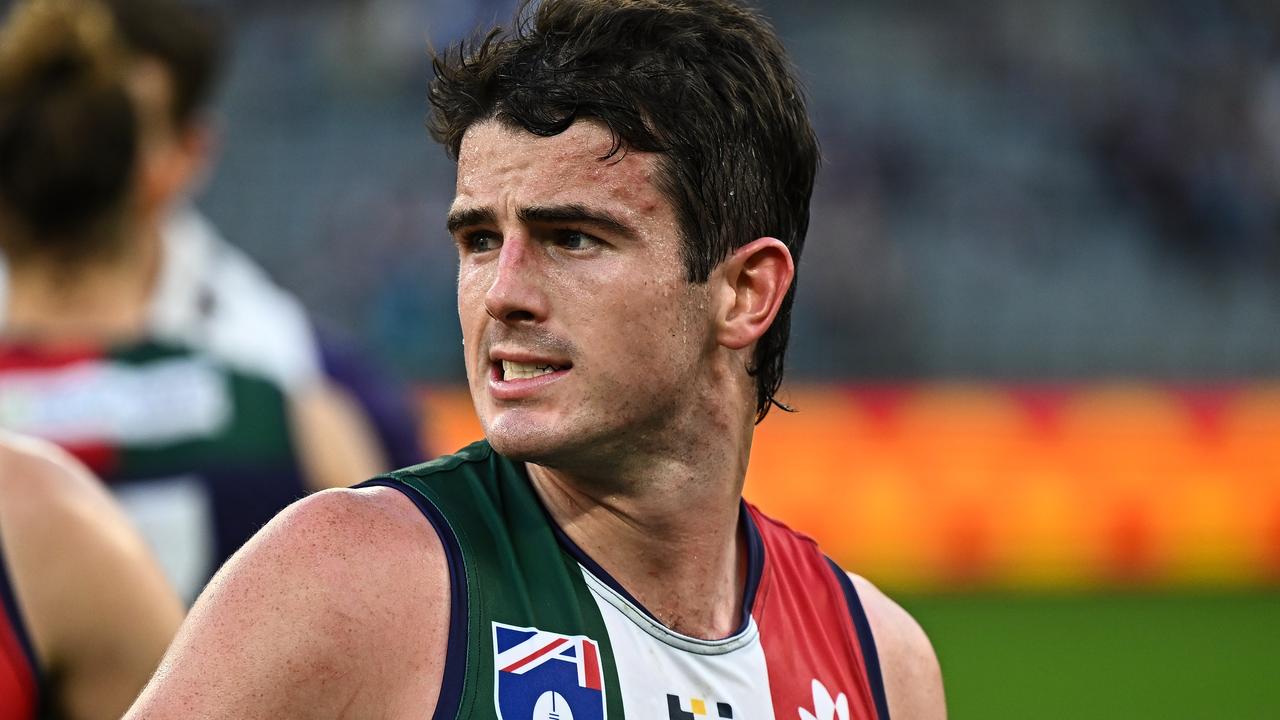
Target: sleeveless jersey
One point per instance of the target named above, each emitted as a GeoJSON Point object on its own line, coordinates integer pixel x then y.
{"type": "Point", "coordinates": [198, 452]}
{"type": "Point", "coordinates": [19, 674]}
{"type": "Point", "coordinates": [539, 631]}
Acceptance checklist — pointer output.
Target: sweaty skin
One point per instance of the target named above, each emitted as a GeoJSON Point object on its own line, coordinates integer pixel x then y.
{"type": "Point", "coordinates": [641, 427]}
{"type": "Point", "coordinates": [612, 302]}
{"type": "Point", "coordinates": [636, 431]}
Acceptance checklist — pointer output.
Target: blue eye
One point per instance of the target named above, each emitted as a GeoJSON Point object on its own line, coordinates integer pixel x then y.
{"type": "Point", "coordinates": [574, 240]}
{"type": "Point", "coordinates": [480, 241]}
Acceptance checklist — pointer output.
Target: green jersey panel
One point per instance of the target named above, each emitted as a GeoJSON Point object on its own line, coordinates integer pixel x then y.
{"type": "Point", "coordinates": [517, 575]}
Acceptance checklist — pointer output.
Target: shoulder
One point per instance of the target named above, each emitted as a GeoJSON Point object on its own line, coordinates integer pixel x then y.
{"type": "Point", "coordinates": [336, 551]}
{"type": "Point", "coordinates": [50, 505]}
{"type": "Point", "coordinates": [43, 485]}
{"type": "Point", "coordinates": [465, 476]}
{"type": "Point", "coordinates": [341, 601]}
{"type": "Point", "coordinates": [908, 663]}
{"type": "Point", "coordinates": [344, 546]}
{"type": "Point", "coordinates": [479, 457]}
{"type": "Point", "coordinates": [74, 559]}
{"type": "Point", "coordinates": [21, 455]}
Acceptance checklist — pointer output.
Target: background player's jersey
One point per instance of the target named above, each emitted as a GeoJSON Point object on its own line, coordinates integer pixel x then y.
{"type": "Point", "coordinates": [19, 673]}
{"type": "Point", "coordinates": [210, 296]}
{"type": "Point", "coordinates": [199, 453]}
{"type": "Point", "coordinates": [539, 630]}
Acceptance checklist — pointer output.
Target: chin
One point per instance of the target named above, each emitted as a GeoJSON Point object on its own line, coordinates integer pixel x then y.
{"type": "Point", "coordinates": [541, 441]}
{"type": "Point", "coordinates": [523, 448]}
{"type": "Point", "coordinates": [521, 437]}
{"type": "Point", "coordinates": [514, 446]}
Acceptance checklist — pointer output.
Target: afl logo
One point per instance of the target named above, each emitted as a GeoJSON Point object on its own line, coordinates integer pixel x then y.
{"type": "Point", "coordinates": [540, 675]}
{"type": "Point", "coordinates": [552, 706]}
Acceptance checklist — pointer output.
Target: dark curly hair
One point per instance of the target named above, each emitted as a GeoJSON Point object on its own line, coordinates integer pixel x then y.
{"type": "Point", "coordinates": [704, 83]}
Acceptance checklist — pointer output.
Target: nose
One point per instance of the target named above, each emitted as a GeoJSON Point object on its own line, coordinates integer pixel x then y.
{"type": "Point", "coordinates": [516, 293]}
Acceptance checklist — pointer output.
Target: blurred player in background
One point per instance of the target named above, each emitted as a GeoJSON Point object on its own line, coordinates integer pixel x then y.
{"type": "Point", "coordinates": [633, 189]}
{"type": "Point", "coordinates": [210, 294]}
{"type": "Point", "coordinates": [85, 613]}
{"type": "Point", "coordinates": [129, 333]}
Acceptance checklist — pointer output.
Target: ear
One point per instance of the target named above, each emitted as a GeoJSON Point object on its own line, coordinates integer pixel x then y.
{"type": "Point", "coordinates": [198, 146]}
{"type": "Point", "coordinates": [176, 168]}
{"type": "Point", "coordinates": [752, 283]}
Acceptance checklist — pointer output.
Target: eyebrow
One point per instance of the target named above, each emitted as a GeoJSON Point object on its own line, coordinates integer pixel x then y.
{"type": "Point", "coordinates": [543, 214]}
{"type": "Point", "coordinates": [575, 213]}
{"type": "Point", "coordinates": [470, 217]}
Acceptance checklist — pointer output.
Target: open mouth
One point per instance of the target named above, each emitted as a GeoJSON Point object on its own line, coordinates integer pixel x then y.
{"type": "Point", "coordinates": [510, 370]}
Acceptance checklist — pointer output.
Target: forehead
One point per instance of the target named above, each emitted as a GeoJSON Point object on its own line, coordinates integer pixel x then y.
{"type": "Point", "coordinates": [505, 167]}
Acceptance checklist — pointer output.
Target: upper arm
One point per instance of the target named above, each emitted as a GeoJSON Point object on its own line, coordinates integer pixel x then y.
{"type": "Point", "coordinates": [340, 605]}
{"type": "Point", "coordinates": [912, 676]}
{"type": "Point", "coordinates": [336, 441]}
{"type": "Point", "coordinates": [98, 608]}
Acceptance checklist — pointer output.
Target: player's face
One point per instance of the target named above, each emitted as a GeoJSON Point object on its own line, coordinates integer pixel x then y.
{"type": "Point", "coordinates": [581, 333]}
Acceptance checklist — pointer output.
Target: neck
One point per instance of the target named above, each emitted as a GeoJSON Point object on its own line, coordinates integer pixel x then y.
{"type": "Point", "coordinates": [670, 534]}
{"type": "Point", "coordinates": [103, 298]}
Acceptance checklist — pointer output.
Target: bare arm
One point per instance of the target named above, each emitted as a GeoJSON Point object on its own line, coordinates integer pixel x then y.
{"type": "Point", "coordinates": [338, 608]}
{"type": "Point", "coordinates": [912, 676]}
{"type": "Point", "coordinates": [336, 440]}
{"type": "Point", "coordinates": [98, 608]}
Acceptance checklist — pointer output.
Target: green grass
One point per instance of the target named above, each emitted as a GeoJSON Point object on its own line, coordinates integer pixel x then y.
{"type": "Point", "coordinates": [1130, 655]}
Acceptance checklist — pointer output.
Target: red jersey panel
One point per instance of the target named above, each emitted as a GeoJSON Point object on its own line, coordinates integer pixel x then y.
{"type": "Point", "coordinates": [817, 643]}
{"type": "Point", "coordinates": [19, 688]}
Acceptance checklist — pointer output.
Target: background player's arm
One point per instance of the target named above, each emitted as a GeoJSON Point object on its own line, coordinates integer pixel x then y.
{"type": "Point", "coordinates": [337, 608]}
{"type": "Point", "coordinates": [912, 676]}
{"type": "Point", "coordinates": [97, 607]}
{"type": "Point", "coordinates": [337, 443]}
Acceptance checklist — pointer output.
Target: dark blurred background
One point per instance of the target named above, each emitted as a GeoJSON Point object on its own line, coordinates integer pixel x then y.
{"type": "Point", "coordinates": [1011, 189]}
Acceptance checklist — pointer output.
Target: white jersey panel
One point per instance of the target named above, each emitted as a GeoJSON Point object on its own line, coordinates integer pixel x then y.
{"type": "Point", "coordinates": [667, 676]}
{"type": "Point", "coordinates": [175, 517]}
{"type": "Point", "coordinates": [166, 401]}
{"type": "Point", "coordinates": [210, 295]}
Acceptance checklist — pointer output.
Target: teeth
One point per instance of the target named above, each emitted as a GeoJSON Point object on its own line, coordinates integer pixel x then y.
{"type": "Point", "coordinates": [524, 371]}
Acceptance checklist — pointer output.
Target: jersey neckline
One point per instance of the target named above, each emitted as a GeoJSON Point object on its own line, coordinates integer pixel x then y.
{"type": "Point", "coordinates": [755, 570]}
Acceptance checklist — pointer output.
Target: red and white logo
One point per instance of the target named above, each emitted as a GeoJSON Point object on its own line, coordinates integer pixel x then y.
{"type": "Point", "coordinates": [824, 706]}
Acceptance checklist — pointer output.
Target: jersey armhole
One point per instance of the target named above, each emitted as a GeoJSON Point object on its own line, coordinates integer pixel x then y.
{"type": "Point", "coordinates": [870, 658]}
{"type": "Point", "coordinates": [449, 702]}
